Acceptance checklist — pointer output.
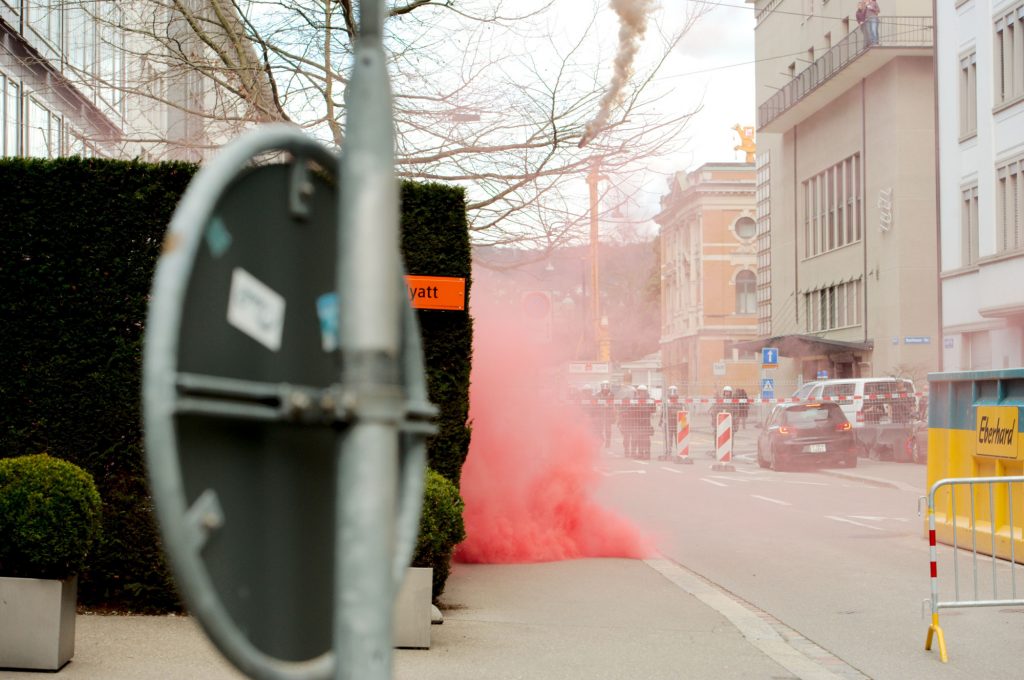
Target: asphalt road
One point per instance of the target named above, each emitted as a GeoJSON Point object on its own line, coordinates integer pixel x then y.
{"type": "Point", "coordinates": [841, 561]}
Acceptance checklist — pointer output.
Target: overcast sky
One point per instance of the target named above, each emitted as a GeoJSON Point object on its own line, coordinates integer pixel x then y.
{"type": "Point", "coordinates": [712, 67]}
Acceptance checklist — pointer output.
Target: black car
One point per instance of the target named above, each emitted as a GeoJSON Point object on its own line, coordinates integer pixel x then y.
{"type": "Point", "coordinates": [806, 433]}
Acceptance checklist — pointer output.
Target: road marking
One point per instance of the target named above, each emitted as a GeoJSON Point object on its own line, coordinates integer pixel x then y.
{"type": "Point", "coordinates": [793, 481]}
{"type": "Point", "coordinates": [770, 500]}
{"type": "Point", "coordinates": [872, 518]}
{"type": "Point", "coordinates": [850, 521]}
{"type": "Point", "coordinates": [609, 473]}
{"type": "Point", "coordinates": [711, 481]}
{"type": "Point", "coordinates": [731, 479]}
{"type": "Point", "coordinates": [671, 469]}
{"type": "Point", "coordinates": [750, 472]}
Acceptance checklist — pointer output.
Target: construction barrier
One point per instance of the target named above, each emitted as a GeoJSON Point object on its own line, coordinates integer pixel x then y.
{"type": "Point", "coordinates": [723, 443]}
{"type": "Point", "coordinates": [755, 400]}
{"type": "Point", "coordinates": [974, 431]}
{"type": "Point", "coordinates": [982, 498]}
{"type": "Point", "coordinates": [683, 438]}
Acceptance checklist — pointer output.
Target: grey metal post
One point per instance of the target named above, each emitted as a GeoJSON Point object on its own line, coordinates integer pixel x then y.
{"type": "Point", "coordinates": [368, 279]}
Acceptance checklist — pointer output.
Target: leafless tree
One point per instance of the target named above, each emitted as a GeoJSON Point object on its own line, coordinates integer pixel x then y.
{"type": "Point", "coordinates": [488, 95]}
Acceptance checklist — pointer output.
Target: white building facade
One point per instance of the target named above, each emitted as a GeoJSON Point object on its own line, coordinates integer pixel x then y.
{"type": "Point", "coordinates": [46, 50]}
{"type": "Point", "coordinates": [980, 53]}
{"type": "Point", "coordinates": [112, 79]}
{"type": "Point", "coordinates": [847, 238]}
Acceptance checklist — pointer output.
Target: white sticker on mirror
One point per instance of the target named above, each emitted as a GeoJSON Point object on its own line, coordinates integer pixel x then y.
{"type": "Point", "coordinates": [256, 309]}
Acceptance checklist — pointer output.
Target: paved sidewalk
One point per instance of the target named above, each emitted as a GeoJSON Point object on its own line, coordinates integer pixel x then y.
{"type": "Point", "coordinates": [592, 619]}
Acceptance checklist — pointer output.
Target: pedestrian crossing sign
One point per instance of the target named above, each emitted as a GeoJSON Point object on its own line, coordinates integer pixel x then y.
{"type": "Point", "coordinates": [767, 388]}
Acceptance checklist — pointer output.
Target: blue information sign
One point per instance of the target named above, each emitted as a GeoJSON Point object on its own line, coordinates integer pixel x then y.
{"type": "Point", "coordinates": [767, 388]}
{"type": "Point", "coordinates": [770, 356]}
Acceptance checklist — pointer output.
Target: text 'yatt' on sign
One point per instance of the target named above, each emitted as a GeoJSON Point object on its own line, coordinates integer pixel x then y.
{"type": "Point", "coordinates": [436, 292]}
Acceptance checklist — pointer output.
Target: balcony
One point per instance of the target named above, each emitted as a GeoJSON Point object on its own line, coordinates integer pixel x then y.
{"type": "Point", "coordinates": [841, 67]}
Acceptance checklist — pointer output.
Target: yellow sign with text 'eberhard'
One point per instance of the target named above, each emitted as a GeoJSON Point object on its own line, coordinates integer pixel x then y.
{"type": "Point", "coordinates": [997, 435]}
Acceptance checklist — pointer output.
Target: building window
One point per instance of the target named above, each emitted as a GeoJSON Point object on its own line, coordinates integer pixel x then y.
{"type": "Point", "coordinates": [746, 292]}
{"type": "Point", "coordinates": [10, 109]}
{"type": "Point", "coordinates": [745, 228]}
{"type": "Point", "coordinates": [832, 207]}
{"type": "Point", "coordinates": [1009, 201]}
{"type": "Point", "coordinates": [44, 131]}
{"type": "Point", "coordinates": [969, 225]}
{"type": "Point", "coordinates": [1009, 55]}
{"type": "Point", "coordinates": [968, 95]}
{"type": "Point", "coordinates": [46, 18]}
{"type": "Point", "coordinates": [833, 307]}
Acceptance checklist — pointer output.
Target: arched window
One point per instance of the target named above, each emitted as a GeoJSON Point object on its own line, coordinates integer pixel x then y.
{"type": "Point", "coordinates": [746, 292]}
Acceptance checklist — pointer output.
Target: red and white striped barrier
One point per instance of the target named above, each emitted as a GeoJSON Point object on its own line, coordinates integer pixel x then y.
{"type": "Point", "coordinates": [683, 438]}
{"type": "Point", "coordinates": [723, 442]}
{"type": "Point", "coordinates": [749, 400]}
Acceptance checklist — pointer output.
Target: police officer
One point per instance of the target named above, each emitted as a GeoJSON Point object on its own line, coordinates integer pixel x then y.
{"type": "Point", "coordinates": [642, 428]}
{"type": "Point", "coordinates": [725, 407]}
{"type": "Point", "coordinates": [668, 420]}
{"type": "Point", "coordinates": [606, 410]}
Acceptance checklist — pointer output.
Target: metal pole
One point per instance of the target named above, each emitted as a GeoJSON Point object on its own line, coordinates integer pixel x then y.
{"type": "Point", "coordinates": [595, 298]}
{"type": "Point", "coordinates": [368, 282]}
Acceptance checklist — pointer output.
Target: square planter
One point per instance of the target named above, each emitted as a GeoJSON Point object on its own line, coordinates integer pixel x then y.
{"type": "Point", "coordinates": [37, 622]}
{"type": "Point", "coordinates": [412, 609]}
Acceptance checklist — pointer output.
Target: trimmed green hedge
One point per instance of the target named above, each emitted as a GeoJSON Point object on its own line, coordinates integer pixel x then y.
{"type": "Point", "coordinates": [78, 248]}
{"type": "Point", "coordinates": [441, 528]}
{"type": "Point", "coordinates": [49, 517]}
{"type": "Point", "coordinates": [435, 242]}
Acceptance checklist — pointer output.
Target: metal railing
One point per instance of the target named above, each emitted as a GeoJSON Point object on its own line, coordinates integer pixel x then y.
{"type": "Point", "coordinates": [892, 32]}
{"type": "Point", "coordinates": [1000, 515]}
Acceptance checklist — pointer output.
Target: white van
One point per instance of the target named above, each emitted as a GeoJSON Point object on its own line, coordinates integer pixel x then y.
{"type": "Point", "coordinates": [866, 401]}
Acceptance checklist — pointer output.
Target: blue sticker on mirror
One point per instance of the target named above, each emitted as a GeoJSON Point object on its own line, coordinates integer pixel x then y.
{"type": "Point", "coordinates": [218, 238]}
{"type": "Point", "coordinates": [327, 312]}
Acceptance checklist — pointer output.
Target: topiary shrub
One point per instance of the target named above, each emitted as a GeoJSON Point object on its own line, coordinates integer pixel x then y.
{"type": "Point", "coordinates": [441, 528]}
{"type": "Point", "coordinates": [50, 514]}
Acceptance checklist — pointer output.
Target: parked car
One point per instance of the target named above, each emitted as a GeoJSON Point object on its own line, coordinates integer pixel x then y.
{"type": "Point", "coordinates": [816, 433]}
{"type": "Point", "coordinates": [867, 401]}
{"type": "Point", "coordinates": [882, 411]}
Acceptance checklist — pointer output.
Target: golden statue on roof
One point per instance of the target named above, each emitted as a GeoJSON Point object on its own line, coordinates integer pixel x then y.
{"type": "Point", "coordinates": [746, 144]}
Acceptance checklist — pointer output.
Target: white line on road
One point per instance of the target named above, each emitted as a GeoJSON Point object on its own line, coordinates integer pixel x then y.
{"type": "Point", "coordinates": [711, 481]}
{"type": "Point", "coordinates": [731, 479]}
{"type": "Point", "coordinates": [609, 473]}
{"type": "Point", "coordinates": [770, 500]}
{"type": "Point", "coordinates": [850, 521]}
{"type": "Point", "coordinates": [750, 472]}
{"type": "Point", "coordinates": [793, 481]}
{"type": "Point", "coordinates": [672, 469]}
{"type": "Point", "coordinates": [873, 518]}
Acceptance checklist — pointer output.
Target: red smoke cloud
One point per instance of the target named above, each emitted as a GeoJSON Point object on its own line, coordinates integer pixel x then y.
{"type": "Point", "coordinates": [529, 478]}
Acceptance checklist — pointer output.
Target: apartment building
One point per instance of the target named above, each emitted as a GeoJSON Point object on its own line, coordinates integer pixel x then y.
{"type": "Point", "coordinates": [980, 68]}
{"type": "Point", "coordinates": [46, 50]}
{"type": "Point", "coordinates": [709, 278]}
{"type": "Point", "coordinates": [847, 238]}
{"type": "Point", "coordinates": [113, 79]}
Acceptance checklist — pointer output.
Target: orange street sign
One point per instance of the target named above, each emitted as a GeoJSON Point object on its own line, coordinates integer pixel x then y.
{"type": "Point", "coordinates": [436, 292]}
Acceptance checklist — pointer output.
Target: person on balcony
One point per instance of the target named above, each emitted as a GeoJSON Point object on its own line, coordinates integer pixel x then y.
{"type": "Point", "coordinates": [872, 21]}
{"type": "Point", "coordinates": [862, 15]}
